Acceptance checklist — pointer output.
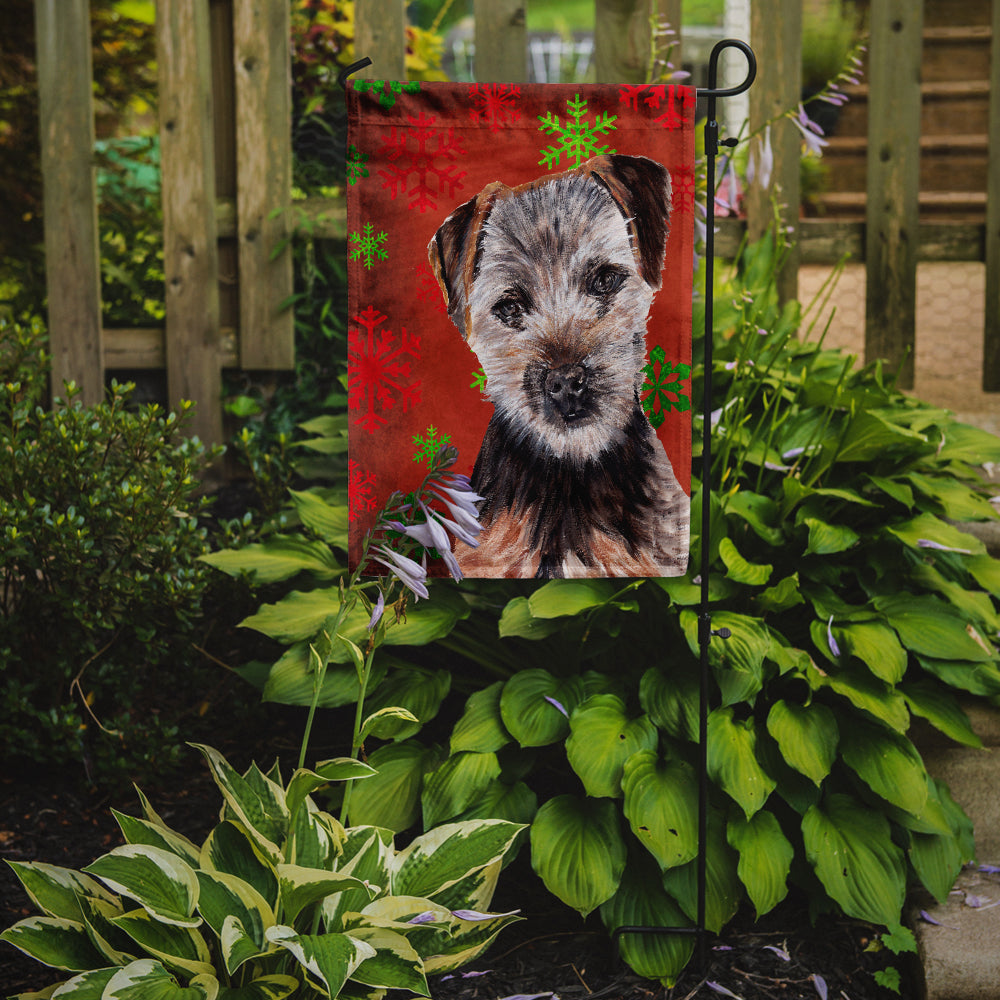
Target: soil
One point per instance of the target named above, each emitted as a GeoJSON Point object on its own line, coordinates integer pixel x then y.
{"type": "Point", "coordinates": [551, 952]}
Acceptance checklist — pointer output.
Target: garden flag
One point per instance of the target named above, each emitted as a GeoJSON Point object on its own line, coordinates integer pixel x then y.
{"type": "Point", "coordinates": [520, 263]}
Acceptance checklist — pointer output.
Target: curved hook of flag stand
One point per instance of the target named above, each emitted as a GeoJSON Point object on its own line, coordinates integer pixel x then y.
{"type": "Point", "coordinates": [705, 631]}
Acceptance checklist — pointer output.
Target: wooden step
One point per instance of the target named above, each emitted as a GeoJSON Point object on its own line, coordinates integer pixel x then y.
{"type": "Point", "coordinates": [945, 103]}
{"type": "Point", "coordinates": [958, 206]}
{"type": "Point", "coordinates": [956, 53]}
{"type": "Point", "coordinates": [940, 13]}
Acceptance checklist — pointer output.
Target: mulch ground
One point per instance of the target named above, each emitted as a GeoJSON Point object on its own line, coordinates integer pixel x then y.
{"type": "Point", "coordinates": [550, 953]}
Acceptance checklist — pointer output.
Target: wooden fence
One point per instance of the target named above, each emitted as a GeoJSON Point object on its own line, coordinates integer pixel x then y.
{"type": "Point", "coordinates": [226, 160]}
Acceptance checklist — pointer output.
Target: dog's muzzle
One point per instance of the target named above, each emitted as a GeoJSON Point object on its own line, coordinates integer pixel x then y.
{"type": "Point", "coordinates": [566, 390]}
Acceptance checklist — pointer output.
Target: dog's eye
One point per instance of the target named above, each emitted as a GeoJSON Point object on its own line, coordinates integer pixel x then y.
{"type": "Point", "coordinates": [606, 280]}
{"type": "Point", "coordinates": [509, 310]}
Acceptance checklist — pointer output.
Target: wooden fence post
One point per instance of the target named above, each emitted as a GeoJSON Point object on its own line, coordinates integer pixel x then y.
{"type": "Point", "coordinates": [501, 41]}
{"type": "Point", "coordinates": [991, 332]}
{"type": "Point", "coordinates": [622, 40]}
{"type": "Point", "coordinates": [262, 61]}
{"type": "Point", "coordinates": [380, 34]}
{"type": "Point", "coordinates": [893, 183]}
{"type": "Point", "coordinates": [776, 35]}
{"type": "Point", "coordinates": [72, 255]}
{"type": "Point", "coordinates": [190, 251]}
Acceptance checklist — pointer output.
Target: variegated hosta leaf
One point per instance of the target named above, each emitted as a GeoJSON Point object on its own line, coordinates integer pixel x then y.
{"type": "Point", "coordinates": [535, 706]}
{"type": "Point", "coordinates": [56, 891]}
{"type": "Point", "coordinates": [481, 727]}
{"type": "Point", "coordinates": [441, 857]}
{"type": "Point", "coordinates": [304, 782]}
{"type": "Point", "coordinates": [578, 851]}
{"type": "Point", "coordinates": [141, 831]}
{"type": "Point", "coordinates": [116, 946]}
{"type": "Point", "coordinates": [765, 858]}
{"type": "Point", "coordinates": [300, 887]}
{"type": "Point", "coordinates": [225, 897]}
{"type": "Point", "coordinates": [475, 891]}
{"type": "Point", "coordinates": [850, 847]}
{"type": "Point", "coordinates": [602, 737]}
{"type": "Point", "coordinates": [256, 801]}
{"type": "Point", "coordinates": [661, 799]}
{"type": "Point", "coordinates": [329, 959]}
{"type": "Point", "coordinates": [274, 987]}
{"type": "Point", "coordinates": [642, 902]}
{"type": "Point", "coordinates": [367, 853]}
{"type": "Point", "coordinates": [86, 986]}
{"type": "Point", "coordinates": [456, 784]}
{"type": "Point", "coordinates": [315, 838]}
{"type": "Point", "coordinates": [466, 941]}
{"type": "Point", "coordinates": [395, 964]}
{"type": "Point", "coordinates": [147, 979]}
{"type": "Point", "coordinates": [230, 849]}
{"type": "Point", "coordinates": [177, 947]}
{"type": "Point", "coordinates": [807, 736]}
{"type": "Point", "coordinates": [158, 880]}
{"type": "Point", "coordinates": [54, 941]}
{"type": "Point", "coordinates": [732, 760]}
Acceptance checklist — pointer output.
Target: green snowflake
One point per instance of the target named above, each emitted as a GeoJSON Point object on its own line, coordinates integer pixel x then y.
{"type": "Point", "coordinates": [356, 161]}
{"type": "Point", "coordinates": [429, 445]}
{"type": "Point", "coordinates": [578, 139]}
{"type": "Point", "coordinates": [478, 380]}
{"type": "Point", "coordinates": [663, 387]}
{"type": "Point", "coordinates": [368, 246]}
{"type": "Point", "coordinates": [386, 91]}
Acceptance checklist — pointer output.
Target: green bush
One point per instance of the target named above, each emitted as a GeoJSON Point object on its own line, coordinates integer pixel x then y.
{"type": "Point", "coordinates": [99, 546]}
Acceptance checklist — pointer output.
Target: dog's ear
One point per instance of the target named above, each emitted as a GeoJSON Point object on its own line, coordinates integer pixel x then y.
{"type": "Point", "coordinates": [641, 188]}
{"type": "Point", "coordinates": [452, 254]}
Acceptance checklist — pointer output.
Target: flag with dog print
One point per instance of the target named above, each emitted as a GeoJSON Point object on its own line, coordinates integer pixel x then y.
{"type": "Point", "coordinates": [520, 263]}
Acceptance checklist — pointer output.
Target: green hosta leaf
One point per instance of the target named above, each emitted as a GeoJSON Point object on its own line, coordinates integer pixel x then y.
{"type": "Point", "coordinates": [330, 959]}
{"type": "Point", "coordinates": [292, 680]}
{"type": "Point", "coordinates": [230, 849]}
{"type": "Point", "coordinates": [876, 646]}
{"type": "Point", "coordinates": [415, 689]}
{"type": "Point", "coordinates": [578, 851]}
{"type": "Point", "coordinates": [279, 558]}
{"type": "Point", "coordinates": [957, 501]}
{"type": "Point", "coordinates": [141, 831]}
{"type": "Point", "coordinates": [850, 848]}
{"type": "Point", "coordinates": [976, 678]}
{"type": "Point", "coordinates": [456, 784]}
{"type": "Point", "coordinates": [527, 711]}
{"type": "Point", "coordinates": [261, 809]}
{"type": "Point", "coordinates": [931, 628]}
{"type": "Point", "coordinates": [975, 605]}
{"type": "Point", "coordinates": [327, 520]}
{"type": "Point", "coordinates": [765, 858]}
{"type": "Point", "coordinates": [395, 964]}
{"type": "Point", "coordinates": [723, 889]}
{"type": "Point", "coordinates": [517, 620]}
{"type": "Point", "coordinates": [275, 987]}
{"type": "Point", "coordinates": [54, 941]}
{"type": "Point", "coordinates": [928, 528]}
{"type": "Point", "coordinates": [783, 595]}
{"type": "Point", "coordinates": [738, 661]}
{"type": "Point", "coordinates": [671, 700]}
{"type": "Point", "coordinates": [560, 598]}
{"type": "Point", "coordinates": [391, 798]}
{"type": "Point", "coordinates": [225, 897]}
{"type": "Point", "coordinates": [941, 709]}
{"type": "Point", "coordinates": [56, 891]}
{"type": "Point", "coordinates": [870, 436]}
{"type": "Point", "coordinates": [516, 803]}
{"type": "Point", "coordinates": [937, 859]}
{"type": "Point", "coordinates": [732, 760]}
{"type": "Point", "coordinates": [661, 799]}
{"type": "Point", "coordinates": [888, 763]}
{"type": "Point", "coordinates": [301, 887]}
{"type": "Point", "coordinates": [828, 539]}
{"type": "Point", "coordinates": [864, 692]}
{"type": "Point", "coordinates": [147, 979]}
{"type": "Point", "coordinates": [481, 728]}
{"type": "Point", "coordinates": [986, 571]}
{"type": "Point", "coordinates": [159, 881]}
{"type": "Point", "coordinates": [438, 859]}
{"type": "Point", "coordinates": [758, 511]}
{"type": "Point", "coordinates": [602, 738]}
{"type": "Point", "coordinates": [893, 488]}
{"type": "Point", "coordinates": [807, 736]}
{"type": "Point", "coordinates": [738, 569]}
{"type": "Point", "coordinates": [180, 948]}
{"type": "Point", "coordinates": [965, 443]}
{"type": "Point", "coordinates": [641, 901]}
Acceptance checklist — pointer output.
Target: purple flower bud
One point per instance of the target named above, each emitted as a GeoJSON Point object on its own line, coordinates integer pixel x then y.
{"type": "Point", "coordinates": [377, 611]}
{"type": "Point", "coordinates": [820, 983]}
{"type": "Point", "coordinates": [834, 648]}
{"type": "Point", "coordinates": [427, 917]}
{"type": "Point", "coordinates": [412, 574]}
{"type": "Point", "coordinates": [558, 705]}
{"type": "Point", "coordinates": [927, 543]}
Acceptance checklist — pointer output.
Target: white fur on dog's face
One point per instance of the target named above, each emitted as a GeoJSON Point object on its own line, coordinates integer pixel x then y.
{"type": "Point", "coordinates": [557, 284]}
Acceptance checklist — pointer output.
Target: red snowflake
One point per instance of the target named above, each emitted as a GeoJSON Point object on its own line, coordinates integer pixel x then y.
{"type": "Point", "coordinates": [431, 160]}
{"type": "Point", "coordinates": [494, 104]}
{"type": "Point", "coordinates": [360, 491]}
{"type": "Point", "coordinates": [683, 190]}
{"type": "Point", "coordinates": [376, 370]}
{"type": "Point", "coordinates": [429, 290]}
{"type": "Point", "coordinates": [677, 100]}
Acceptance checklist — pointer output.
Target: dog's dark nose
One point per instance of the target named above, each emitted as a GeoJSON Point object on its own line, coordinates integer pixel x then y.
{"type": "Point", "coordinates": [566, 387]}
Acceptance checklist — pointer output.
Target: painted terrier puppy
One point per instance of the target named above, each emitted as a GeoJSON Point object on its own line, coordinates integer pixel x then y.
{"type": "Point", "coordinates": [551, 284]}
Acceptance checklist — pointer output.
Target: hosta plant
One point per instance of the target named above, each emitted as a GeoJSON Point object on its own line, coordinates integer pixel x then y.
{"type": "Point", "coordinates": [279, 900]}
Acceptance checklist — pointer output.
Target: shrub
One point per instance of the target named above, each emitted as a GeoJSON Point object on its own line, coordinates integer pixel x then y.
{"type": "Point", "coordinates": [280, 899]}
{"type": "Point", "coordinates": [99, 539]}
